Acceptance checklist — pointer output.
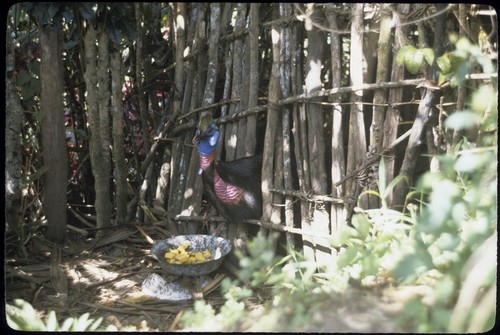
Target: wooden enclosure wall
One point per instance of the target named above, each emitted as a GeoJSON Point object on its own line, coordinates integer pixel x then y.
{"type": "Point", "coordinates": [301, 84]}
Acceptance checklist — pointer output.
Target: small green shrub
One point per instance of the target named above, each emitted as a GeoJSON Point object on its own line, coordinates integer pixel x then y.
{"type": "Point", "coordinates": [22, 316]}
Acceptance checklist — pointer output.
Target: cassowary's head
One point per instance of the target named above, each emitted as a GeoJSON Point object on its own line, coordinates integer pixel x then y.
{"type": "Point", "coordinates": [206, 136]}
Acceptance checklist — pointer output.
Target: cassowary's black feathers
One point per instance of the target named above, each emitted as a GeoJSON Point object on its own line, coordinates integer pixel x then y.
{"type": "Point", "coordinates": [241, 172]}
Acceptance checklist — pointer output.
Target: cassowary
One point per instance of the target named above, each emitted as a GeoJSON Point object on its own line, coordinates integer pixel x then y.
{"type": "Point", "coordinates": [233, 188]}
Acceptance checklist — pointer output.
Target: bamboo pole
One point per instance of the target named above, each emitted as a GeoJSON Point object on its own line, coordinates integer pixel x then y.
{"type": "Point", "coordinates": [299, 129]}
{"type": "Point", "coordinates": [141, 96]}
{"type": "Point", "coordinates": [226, 95]}
{"type": "Point", "coordinates": [315, 137]}
{"type": "Point", "coordinates": [232, 130]}
{"type": "Point", "coordinates": [178, 163]}
{"type": "Point", "coordinates": [285, 84]}
{"type": "Point", "coordinates": [194, 90]}
{"type": "Point", "coordinates": [357, 138]}
{"type": "Point", "coordinates": [379, 100]}
{"type": "Point", "coordinates": [337, 212]}
{"type": "Point", "coordinates": [253, 82]}
{"type": "Point", "coordinates": [268, 212]}
{"type": "Point", "coordinates": [392, 115]}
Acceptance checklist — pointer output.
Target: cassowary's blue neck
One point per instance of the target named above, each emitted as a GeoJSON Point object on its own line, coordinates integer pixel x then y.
{"type": "Point", "coordinates": [205, 147]}
{"type": "Point", "coordinates": [206, 143]}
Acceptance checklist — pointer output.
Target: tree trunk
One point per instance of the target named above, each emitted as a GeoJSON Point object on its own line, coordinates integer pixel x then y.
{"type": "Point", "coordinates": [55, 156]}
{"type": "Point", "coordinates": [53, 133]}
{"type": "Point", "coordinates": [100, 165]}
{"type": "Point", "coordinates": [104, 95]}
{"type": "Point", "coordinates": [13, 152]}
{"type": "Point", "coordinates": [120, 172]}
{"type": "Point", "coordinates": [139, 66]}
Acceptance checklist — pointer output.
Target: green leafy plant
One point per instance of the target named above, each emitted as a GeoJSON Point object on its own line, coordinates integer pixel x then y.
{"type": "Point", "coordinates": [22, 316]}
{"type": "Point", "coordinates": [455, 233]}
{"type": "Point", "coordinates": [413, 58]}
{"type": "Point", "coordinates": [290, 279]}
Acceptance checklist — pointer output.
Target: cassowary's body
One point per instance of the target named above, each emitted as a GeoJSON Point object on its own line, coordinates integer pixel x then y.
{"type": "Point", "coordinates": [234, 188]}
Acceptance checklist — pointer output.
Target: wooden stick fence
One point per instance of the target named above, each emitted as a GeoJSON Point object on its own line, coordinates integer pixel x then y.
{"type": "Point", "coordinates": [248, 70]}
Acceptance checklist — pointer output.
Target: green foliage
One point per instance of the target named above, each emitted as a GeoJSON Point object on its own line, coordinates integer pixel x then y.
{"type": "Point", "coordinates": [450, 64]}
{"type": "Point", "coordinates": [456, 64]}
{"type": "Point", "coordinates": [29, 82]}
{"type": "Point", "coordinates": [413, 58]}
{"type": "Point", "coordinates": [463, 120]}
{"type": "Point", "coordinates": [455, 233]}
{"type": "Point", "coordinates": [46, 13]}
{"type": "Point", "coordinates": [453, 65]}
{"type": "Point", "coordinates": [22, 316]}
{"type": "Point", "coordinates": [292, 281]}
{"type": "Point", "coordinates": [257, 264]}
{"type": "Point", "coordinates": [201, 313]}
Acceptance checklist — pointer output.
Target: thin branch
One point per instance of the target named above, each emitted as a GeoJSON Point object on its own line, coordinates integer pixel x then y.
{"type": "Point", "coordinates": [285, 229]}
{"type": "Point", "coordinates": [309, 197]}
{"type": "Point", "coordinates": [198, 218]}
{"type": "Point", "coordinates": [224, 119]}
{"type": "Point", "coordinates": [265, 224]}
{"type": "Point", "coordinates": [375, 158]}
{"type": "Point", "coordinates": [222, 102]}
{"type": "Point", "coordinates": [348, 89]}
{"type": "Point", "coordinates": [235, 35]}
{"type": "Point", "coordinates": [447, 8]}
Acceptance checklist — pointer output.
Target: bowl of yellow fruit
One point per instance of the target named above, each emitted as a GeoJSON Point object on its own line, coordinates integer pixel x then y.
{"type": "Point", "coordinates": [191, 255]}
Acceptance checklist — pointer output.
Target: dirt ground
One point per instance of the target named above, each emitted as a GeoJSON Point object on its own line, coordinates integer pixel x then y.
{"type": "Point", "coordinates": [104, 277]}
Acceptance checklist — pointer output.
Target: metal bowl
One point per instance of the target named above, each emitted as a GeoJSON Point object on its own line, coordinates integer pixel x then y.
{"type": "Point", "coordinates": [218, 246]}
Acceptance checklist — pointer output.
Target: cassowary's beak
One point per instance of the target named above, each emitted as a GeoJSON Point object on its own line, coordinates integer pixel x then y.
{"type": "Point", "coordinates": [205, 121]}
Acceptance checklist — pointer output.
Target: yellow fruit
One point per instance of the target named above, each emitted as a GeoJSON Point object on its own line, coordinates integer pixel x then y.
{"type": "Point", "coordinates": [199, 256]}
{"type": "Point", "coordinates": [170, 255]}
{"type": "Point", "coordinates": [181, 256]}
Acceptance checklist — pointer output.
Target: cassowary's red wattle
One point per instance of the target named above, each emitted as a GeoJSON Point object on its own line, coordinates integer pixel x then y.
{"type": "Point", "coordinates": [206, 160]}
{"type": "Point", "coordinates": [226, 192]}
